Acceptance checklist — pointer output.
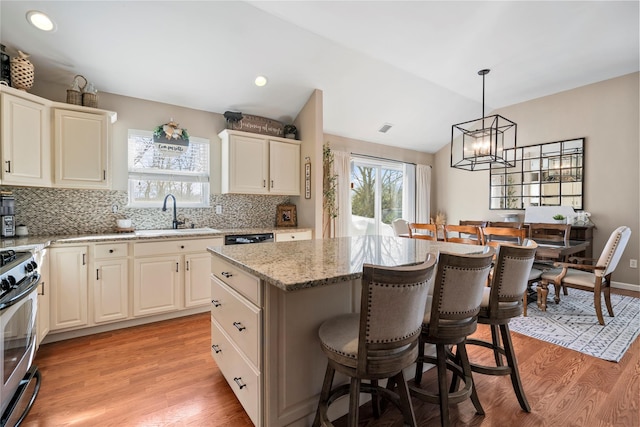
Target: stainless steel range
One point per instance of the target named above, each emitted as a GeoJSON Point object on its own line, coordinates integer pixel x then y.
{"type": "Point", "coordinates": [19, 280]}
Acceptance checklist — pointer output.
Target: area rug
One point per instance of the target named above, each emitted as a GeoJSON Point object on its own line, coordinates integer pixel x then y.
{"type": "Point", "coordinates": [573, 324]}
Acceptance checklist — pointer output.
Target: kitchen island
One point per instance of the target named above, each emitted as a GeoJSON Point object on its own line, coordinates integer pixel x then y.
{"type": "Point", "coordinates": [268, 301]}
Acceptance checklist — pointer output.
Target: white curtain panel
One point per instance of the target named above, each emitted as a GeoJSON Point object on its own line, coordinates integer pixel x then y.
{"type": "Point", "coordinates": [423, 193]}
{"type": "Point", "coordinates": [342, 167]}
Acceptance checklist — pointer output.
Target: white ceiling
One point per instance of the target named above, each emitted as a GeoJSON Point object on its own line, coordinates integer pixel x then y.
{"type": "Point", "coordinates": [412, 64]}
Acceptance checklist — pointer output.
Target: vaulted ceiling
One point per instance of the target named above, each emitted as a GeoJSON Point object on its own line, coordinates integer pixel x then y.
{"type": "Point", "coordinates": [411, 64]}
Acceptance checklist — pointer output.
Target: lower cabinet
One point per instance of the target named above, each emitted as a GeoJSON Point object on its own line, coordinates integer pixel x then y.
{"type": "Point", "coordinates": [236, 333]}
{"type": "Point", "coordinates": [170, 275]}
{"type": "Point", "coordinates": [292, 236]}
{"type": "Point", "coordinates": [103, 283]}
{"type": "Point", "coordinates": [44, 295]}
{"type": "Point", "coordinates": [110, 283]}
{"type": "Point", "coordinates": [68, 269]}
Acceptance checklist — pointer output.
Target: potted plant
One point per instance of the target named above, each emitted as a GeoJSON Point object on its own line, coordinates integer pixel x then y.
{"type": "Point", "coordinates": [290, 131]}
{"type": "Point", "coordinates": [559, 219]}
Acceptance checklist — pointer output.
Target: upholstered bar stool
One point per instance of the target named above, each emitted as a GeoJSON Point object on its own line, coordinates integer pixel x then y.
{"type": "Point", "coordinates": [501, 302]}
{"type": "Point", "coordinates": [449, 318]}
{"type": "Point", "coordinates": [379, 342]}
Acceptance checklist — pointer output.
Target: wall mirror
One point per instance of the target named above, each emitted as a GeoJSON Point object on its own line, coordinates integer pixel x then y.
{"type": "Point", "coordinates": [550, 174]}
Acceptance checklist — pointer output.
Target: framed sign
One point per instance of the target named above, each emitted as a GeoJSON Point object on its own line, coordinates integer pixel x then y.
{"type": "Point", "coordinates": [307, 179]}
{"type": "Point", "coordinates": [286, 216]}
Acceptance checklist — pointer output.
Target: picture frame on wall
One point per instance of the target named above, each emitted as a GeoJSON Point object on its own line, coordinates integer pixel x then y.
{"type": "Point", "coordinates": [286, 216]}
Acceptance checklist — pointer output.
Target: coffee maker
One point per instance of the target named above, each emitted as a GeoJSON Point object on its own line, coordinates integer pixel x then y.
{"type": "Point", "coordinates": [7, 218]}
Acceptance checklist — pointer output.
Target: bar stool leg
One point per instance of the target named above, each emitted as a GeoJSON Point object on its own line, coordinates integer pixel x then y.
{"type": "Point", "coordinates": [513, 363]}
{"type": "Point", "coordinates": [354, 402]}
{"type": "Point", "coordinates": [324, 395]}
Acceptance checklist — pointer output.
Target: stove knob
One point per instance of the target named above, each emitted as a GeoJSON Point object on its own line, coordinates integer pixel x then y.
{"type": "Point", "coordinates": [12, 281]}
{"type": "Point", "coordinates": [28, 268]}
{"type": "Point", "coordinates": [34, 265]}
{"type": "Point", "coordinates": [5, 285]}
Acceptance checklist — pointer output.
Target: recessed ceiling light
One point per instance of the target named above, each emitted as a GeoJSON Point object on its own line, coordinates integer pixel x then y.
{"type": "Point", "coordinates": [40, 20]}
{"type": "Point", "coordinates": [261, 81]}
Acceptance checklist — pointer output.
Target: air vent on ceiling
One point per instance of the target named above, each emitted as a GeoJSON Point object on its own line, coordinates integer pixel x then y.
{"type": "Point", "coordinates": [385, 128]}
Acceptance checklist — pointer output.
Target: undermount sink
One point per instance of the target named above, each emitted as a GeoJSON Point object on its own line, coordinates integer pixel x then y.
{"type": "Point", "coordinates": [179, 231]}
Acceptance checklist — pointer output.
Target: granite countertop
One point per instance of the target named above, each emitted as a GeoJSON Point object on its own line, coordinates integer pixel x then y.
{"type": "Point", "coordinates": [28, 243]}
{"type": "Point", "coordinates": [308, 263]}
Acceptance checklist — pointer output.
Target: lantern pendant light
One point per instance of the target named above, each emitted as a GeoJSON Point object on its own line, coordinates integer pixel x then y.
{"type": "Point", "coordinates": [483, 143]}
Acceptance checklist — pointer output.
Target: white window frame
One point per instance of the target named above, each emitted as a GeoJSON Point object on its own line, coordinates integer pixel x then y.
{"type": "Point", "coordinates": [134, 174]}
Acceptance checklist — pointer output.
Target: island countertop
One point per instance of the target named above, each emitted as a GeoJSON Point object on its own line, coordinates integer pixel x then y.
{"type": "Point", "coordinates": [309, 263]}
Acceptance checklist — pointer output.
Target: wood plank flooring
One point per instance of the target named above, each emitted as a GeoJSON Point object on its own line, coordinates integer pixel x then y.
{"type": "Point", "coordinates": [163, 375]}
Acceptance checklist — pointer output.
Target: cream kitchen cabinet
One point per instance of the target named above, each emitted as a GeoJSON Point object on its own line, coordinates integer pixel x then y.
{"type": "Point", "coordinates": [68, 271]}
{"type": "Point", "coordinates": [236, 333]}
{"type": "Point", "coordinates": [168, 275]}
{"type": "Point", "coordinates": [26, 139]}
{"type": "Point", "coordinates": [197, 289]}
{"type": "Point", "coordinates": [110, 290]}
{"type": "Point", "coordinates": [291, 236]}
{"type": "Point", "coordinates": [44, 294]}
{"type": "Point", "coordinates": [259, 164]}
{"type": "Point", "coordinates": [81, 149]}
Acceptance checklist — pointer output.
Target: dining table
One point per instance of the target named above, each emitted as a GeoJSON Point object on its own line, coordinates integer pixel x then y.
{"type": "Point", "coordinates": [547, 254]}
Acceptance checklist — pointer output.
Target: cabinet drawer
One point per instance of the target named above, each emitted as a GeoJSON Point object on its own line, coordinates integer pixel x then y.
{"type": "Point", "coordinates": [242, 282]}
{"type": "Point", "coordinates": [290, 237]}
{"type": "Point", "coordinates": [243, 379]}
{"type": "Point", "coordinates": [111, 250]}
{"type": "Point", "coordinates": [173, 246]}
{"type": "Point", "coordinates": [239, 318]}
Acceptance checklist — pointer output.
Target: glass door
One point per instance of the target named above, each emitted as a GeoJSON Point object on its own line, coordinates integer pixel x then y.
{"type": "Point", "coordinates": [381, 191]}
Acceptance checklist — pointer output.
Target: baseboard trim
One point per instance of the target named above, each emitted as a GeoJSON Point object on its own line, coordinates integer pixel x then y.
{"type": "Point", "coordinates": [65, 335]}
{"type": "Point", "coordinates": [625, 286]}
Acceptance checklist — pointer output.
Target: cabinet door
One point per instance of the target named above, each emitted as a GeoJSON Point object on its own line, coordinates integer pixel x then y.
{"type": "Point", "coordinates": [156, 285]}
{"type": "Point", "coordinates": [110, 290]}
{"type": "Point", "coordinates": [68, 268]}
{"type": "Point", "coordinates": [44, 294]}
{"type": "Point", "coordinates": [26, 152]}
{"type": "Point", "coordinates": [246, 165]}
{"type": "Point", "coordinates": [81, 149]}
{"type": "Point", "coordinates": [197, 285]}
{"type": "Point", "coordinates": [284, 168]}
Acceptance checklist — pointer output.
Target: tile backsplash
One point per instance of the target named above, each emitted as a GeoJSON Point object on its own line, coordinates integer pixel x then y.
{"type": "Point", "coordinates": [57, 211]}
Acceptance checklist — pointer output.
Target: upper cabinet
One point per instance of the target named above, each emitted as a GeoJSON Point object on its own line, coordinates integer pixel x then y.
{"type": "Point", "coordinates": [47, 143]}
{"type": "Point", "coordinates": [81, 144]}
{"type": "Point", "coordinates": [26, 143]}
{"type": "Point", "coordinates": [259, 164]}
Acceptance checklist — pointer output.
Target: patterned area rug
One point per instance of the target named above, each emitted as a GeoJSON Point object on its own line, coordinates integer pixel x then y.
{"type": "Point", "coordinates": [573, 324]}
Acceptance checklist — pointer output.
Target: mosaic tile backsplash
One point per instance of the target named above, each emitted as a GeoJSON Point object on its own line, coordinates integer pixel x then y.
{"type": "Point", "coordinates": [54, 211]}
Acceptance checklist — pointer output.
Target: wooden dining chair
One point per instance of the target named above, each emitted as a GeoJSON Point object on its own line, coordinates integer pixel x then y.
{"type": "Point", "coordinates": [424, 231]}
{"type": "Point", "coordinates": [493, 236]}
{"type": "Point", "coordinates": [470, 222]}
{"type": "Point", "coordinates": [505, 224]}
{"type": "Point", "coordinates": [592, 275]}
{"type": "Point", "coordinates": [554, 234]}
{"type": "Point", "coordinates": [469, 234]}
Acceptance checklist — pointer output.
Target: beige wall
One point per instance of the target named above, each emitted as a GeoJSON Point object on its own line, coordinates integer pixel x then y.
{"type": "Point", "coordinates": [607, 115]}
{"type": "Point", "coordinates": [309, 123]}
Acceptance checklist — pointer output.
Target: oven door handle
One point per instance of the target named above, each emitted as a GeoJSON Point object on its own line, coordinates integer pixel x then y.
{"type": "Point", "coordinates": [31, 285]}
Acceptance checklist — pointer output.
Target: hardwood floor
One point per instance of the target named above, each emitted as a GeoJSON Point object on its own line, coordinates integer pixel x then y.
{"type": "Point", "coordinates": [163, 375]}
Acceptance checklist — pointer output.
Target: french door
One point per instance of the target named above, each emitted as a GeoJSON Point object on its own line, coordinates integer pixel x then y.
{"type": "Point", "coordinates": [381, 191]}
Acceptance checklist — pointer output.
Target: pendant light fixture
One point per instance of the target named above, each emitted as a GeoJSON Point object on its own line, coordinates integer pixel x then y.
{"type": "Point", "coordinates": [485, 142]}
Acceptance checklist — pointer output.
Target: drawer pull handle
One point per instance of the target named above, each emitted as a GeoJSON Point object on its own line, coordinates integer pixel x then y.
{"type": "Point", "coordinates": [239, 326]}
{"type": "Point", "coordinates": [216, 348]}
{"type": "Point", "coordinates": [215, 303]}
{"type": "Point", "coordinates": [226, 274]}
{"type": "Point", "coordinates": [238, 381]}
{"type": "Point", "coordinates": [110, 251]}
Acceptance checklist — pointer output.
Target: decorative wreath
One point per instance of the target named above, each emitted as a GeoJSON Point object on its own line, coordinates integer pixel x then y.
{"type": "Point", "coordinates": [171, 130]}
